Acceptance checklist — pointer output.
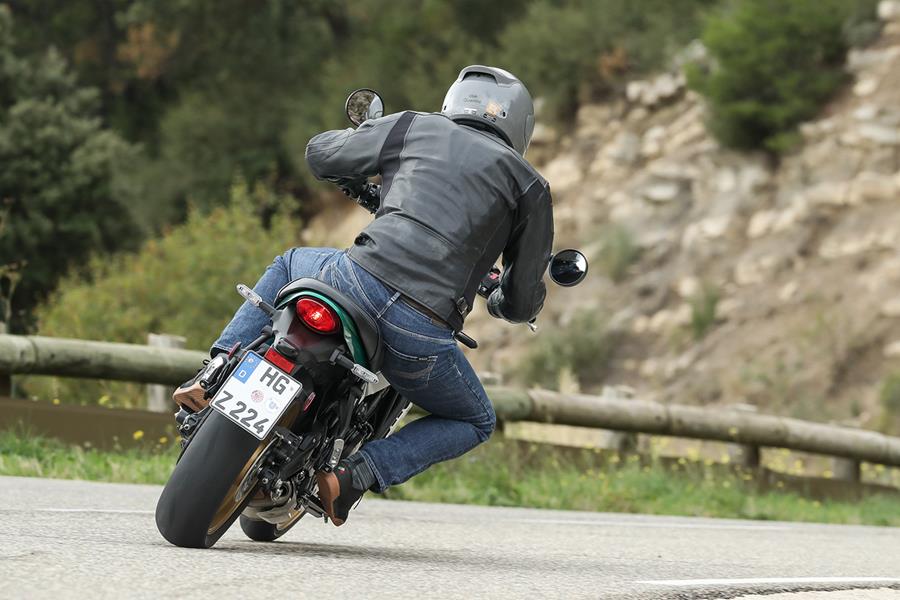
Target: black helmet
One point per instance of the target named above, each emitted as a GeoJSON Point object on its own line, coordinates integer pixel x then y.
{"type": "Point", "coordinates": [488, 97]}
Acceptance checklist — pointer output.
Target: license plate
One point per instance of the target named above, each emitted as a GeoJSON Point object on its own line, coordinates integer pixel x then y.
{"type": "Point", "coordinates": [256, 395]}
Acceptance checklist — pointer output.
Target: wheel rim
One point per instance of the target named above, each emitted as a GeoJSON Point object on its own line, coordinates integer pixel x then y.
{"type": "Point", "coordinates": [240, 488]}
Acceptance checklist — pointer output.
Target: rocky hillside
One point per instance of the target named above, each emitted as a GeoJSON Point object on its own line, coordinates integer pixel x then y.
{"type": "Point", "coordinates": [723, 277]}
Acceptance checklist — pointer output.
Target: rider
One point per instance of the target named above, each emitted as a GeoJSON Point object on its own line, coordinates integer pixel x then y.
{"type": "Point", "coordinates": [456, 195]}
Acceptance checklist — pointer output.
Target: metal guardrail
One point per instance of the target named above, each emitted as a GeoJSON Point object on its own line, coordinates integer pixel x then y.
{"type": "Point", "coordinates": [127, 362]}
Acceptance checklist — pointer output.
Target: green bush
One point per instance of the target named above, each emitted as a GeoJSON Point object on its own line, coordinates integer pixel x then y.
{"type": "Point", "coordinates": [619, 251]}
{"type": "Point", "coordinates": [181, 284]}
{"type": "Point", "coordinates": [585, 346]}
{"type": "Point", "coordinates": [774, 64]}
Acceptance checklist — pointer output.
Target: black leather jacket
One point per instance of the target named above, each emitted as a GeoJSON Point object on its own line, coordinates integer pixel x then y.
{"type": "Point", "coordinates": [453, 199]}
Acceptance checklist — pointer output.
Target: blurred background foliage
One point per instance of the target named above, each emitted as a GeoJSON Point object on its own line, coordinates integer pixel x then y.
{"type": "Point", "coordinates": [183, 282]}
{"type": "Point", "coordinates": [775, 64]}
{"type": "Point", "coordinates": [123, 119]}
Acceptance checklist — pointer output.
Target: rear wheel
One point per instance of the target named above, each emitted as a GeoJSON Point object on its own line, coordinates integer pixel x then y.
{"type": "Point", "coordinates": [210, 485]}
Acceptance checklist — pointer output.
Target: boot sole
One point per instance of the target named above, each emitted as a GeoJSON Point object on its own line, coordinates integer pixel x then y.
{"type": "Point", "coordinates": [329, 490]}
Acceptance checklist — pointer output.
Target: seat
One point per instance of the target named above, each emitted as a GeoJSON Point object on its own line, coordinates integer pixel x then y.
{"type": "Point", "coordinates": [369, 334]}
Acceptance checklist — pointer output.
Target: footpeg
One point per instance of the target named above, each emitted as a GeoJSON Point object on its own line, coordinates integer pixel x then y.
{"type": "Point", "coordinates": [336, 451]}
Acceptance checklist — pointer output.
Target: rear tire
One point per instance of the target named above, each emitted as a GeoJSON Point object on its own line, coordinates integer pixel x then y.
{"type": "Point", "coordinates": [202, 497]}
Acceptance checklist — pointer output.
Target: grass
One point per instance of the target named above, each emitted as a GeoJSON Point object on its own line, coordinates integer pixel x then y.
{"type": "Point", "coordinates": [703, 310]}
{"type": "Point", "coordinates": [505, 473]}
{"type": "Point", "coordinates": [27, 455]}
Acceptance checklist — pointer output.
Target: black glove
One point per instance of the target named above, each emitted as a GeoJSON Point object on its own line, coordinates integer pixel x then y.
{"type": "Point", "coordinates": [370, 198]}
{"type": "Point", "coordinates": [493, 304]}
{"type": "Point", "coordinates": [354, 188]}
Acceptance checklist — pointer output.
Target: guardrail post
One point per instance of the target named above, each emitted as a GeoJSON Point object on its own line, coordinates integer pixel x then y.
{"type": "Point", "coordinates": [747, 456]}
{"type": "Point", "coordinates": [159, 397]}
{"type": "Point", "coordinates": [624, 442]}
{"type": "Point", "coordinates": [5, 378]}
{"type": "Point", "coordinates": [846, 469]}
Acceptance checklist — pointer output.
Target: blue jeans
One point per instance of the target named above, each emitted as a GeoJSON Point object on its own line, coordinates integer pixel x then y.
{"type": "Point", "coordinates": [421, 361]}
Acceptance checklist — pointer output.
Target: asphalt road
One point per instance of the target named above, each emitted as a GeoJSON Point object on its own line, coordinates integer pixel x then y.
{"type": "Point", "coordinates": [73, 539]}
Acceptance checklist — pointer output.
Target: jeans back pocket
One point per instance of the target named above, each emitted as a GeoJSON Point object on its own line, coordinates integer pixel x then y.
{"type": "Point", "coordinates": [406, 372]}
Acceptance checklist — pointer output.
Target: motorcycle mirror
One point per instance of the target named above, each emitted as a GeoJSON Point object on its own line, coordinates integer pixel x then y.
{"type": "Point", "coordinates": [568, 267]}
{"type": "Point", "coordinates": [363, 104]}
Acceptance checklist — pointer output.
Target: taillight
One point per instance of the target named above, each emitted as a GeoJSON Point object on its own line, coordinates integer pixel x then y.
{"type": "Point", "coordinates": [317, 316]}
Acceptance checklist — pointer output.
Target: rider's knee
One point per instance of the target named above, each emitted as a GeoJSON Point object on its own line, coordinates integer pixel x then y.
{"type": "Point", "coordinates": [486, 426]}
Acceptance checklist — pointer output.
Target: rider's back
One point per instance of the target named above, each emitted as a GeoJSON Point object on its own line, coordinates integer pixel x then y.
{"type": "Point", "coordinates": [453, 199]}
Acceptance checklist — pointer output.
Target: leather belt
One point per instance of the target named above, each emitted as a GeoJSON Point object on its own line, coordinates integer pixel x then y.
{"type": "Point", "coordinates": [424, 310]}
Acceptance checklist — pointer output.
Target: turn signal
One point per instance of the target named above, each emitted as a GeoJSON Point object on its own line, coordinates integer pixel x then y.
{"type": "Point", "coordinates": [317, 316]}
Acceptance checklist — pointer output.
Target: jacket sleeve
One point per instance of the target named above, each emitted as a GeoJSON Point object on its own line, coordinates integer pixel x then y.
{"type": "Point", "coordinates": [521, 293]}
{"type": "Point", "coordinates": [346, 156]}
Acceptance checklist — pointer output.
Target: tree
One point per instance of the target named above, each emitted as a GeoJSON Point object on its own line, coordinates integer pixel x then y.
{"type": "Point", "coordinates": [61, 197]}
{"type": "Point", "coordinates": [775, 64]}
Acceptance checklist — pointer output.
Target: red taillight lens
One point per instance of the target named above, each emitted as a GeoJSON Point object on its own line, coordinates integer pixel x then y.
{"type": "Point", "coordinates": [317, 316]}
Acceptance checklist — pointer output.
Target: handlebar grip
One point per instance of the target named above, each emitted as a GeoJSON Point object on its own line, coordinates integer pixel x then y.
{"type": "Point", "coordinates": [489, 283]}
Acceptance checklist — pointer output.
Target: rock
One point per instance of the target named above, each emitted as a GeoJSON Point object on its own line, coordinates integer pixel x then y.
{"type": "Point", "coordinates": [634, 89]}
{"type": "Point", "coordinates": [640, 324]}
{"type": "Point", "coordinates": [858, 60]}
{"type": "Point", "coordinates": [674, 170]}
{"type": "Point", "coordinates": [872, 187]}
{"type": "Point", "coordinates": [727, 307]}
{"type": "Point", "coordinates": [793, 216]}
{"type": "Point", "coordinates": [651, 92]}
{"type": "Point", "coordinates": [891, 350]}
{"type": "Point", "coordinates": [664, 191]}
{"type": "Point", "coordinates": [866, 112]}
{"type": "Point", "coordinates": [699, 233]}
{"type": "Point", "coordinates": [693, 133]}
{"type": "Point", "coordinates": [866, 86]}
{"type": "Point", "coordinates": [562, 173]}
{"type": "Point", "coordinates": [762, 223]}
{"type": "Point", "coordinates": [590, 115]}
{"type": "Point", "coordinates": [788, 291]}
{"type": "Point", "coordinates": [617, 392]}
{"type": "Point", "coordinates": [889, 10]}
{"type": "Point", "coordinates": [543, 135]}
{"type": "Point", "coordinates": [667, 319]}
{"type": "Point", "coordinates": [688, 287]}
{"type": "Point", "coordinates": [880, 134]}
{"type": "Point", "coordinates": [829, 193]}
{"type": "Point", "coordinates": [889, 116]}
{"type": "Point", "coordinates": [756, 269]}
{"type": "Point", "coordinates": [891, 308]}
{"type": "Point", "coordinates": [651, 145]}
{"type": "Point", "coordinates": [625, 149]}
{"type": "Point", "coordinates": [752, 178]}
{"type": "Point", "coordinates": [856, 242]}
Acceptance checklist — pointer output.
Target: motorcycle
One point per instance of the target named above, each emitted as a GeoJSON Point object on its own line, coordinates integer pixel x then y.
{"type": "Point", "coordinates": [304, 394]}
